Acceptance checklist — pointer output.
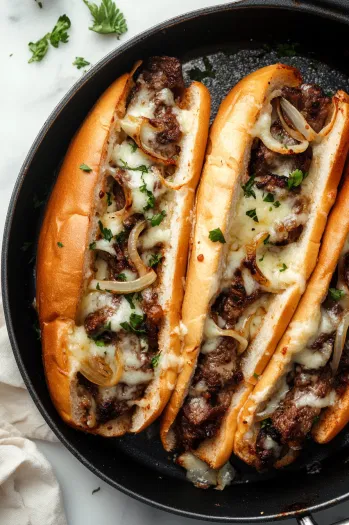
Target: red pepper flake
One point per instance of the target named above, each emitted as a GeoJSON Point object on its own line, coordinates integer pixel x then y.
{"type": "Point", "coordinates": [200, 257]}
{"type": "Point", "coordinates": [101, 194]}
{"type": "Point", "coordinates": [284, 350]}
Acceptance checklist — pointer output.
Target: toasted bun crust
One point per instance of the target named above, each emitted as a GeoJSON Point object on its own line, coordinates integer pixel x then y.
{"type": "Point", "coordinates": [298, 332]}
{"type": "Point", "coordinates": [227, 157]}
{"type": "Point", "coordinates": [69, 221]}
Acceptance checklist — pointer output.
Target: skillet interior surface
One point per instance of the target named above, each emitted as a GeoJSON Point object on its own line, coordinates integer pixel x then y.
{"type": "Point", "coordinates": [237, 39]}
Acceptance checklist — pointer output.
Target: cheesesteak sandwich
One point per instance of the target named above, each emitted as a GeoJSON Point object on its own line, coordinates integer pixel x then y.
{"type": "Point", "coordinates": [275, 156]}
{"type": "Point", "coordinates": [113, 250]}
{"type": "Point", "coordinates": [310, 368]}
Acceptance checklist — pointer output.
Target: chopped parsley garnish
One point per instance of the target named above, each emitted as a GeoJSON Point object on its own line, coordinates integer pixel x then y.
{"type": "Point", "coordinates": [84, 167]}
{"type": "Point", "coordinates": [266, 240]}
{"type": "Point", "coordinates": [96, 490]}
{"type": "Point", "coordinates": [295, 179]}
{"type": "Point", "coordinates": [106, 233]}
{"type": "Point", "coordinates": [59, 32]}
{"type": "Point", "coordinates": [39, 4]}
{"type": "Point", "coordinates": [26, 246]}
{"type": "Point", "coordinates": [158, 218]}
{"type": "Point", "coordinates": [269, 198]}
{"type": "Point", "coordinates": [261, 259]}
{"type": "Point", "coordinates": [121, 237]}
{"type": "Point", "coordinates": [142, 167]}
{"type": "Point", "coordinates": [98, 287]}
{"type": "Point", "coordinates": [266, 422]}
{"type": "Point", "coordinates": [107, 18]}
{"type": "Point", "coordinates": [286, 50]}
{"type": "Point", "coordinates": [283, 268]}
{"type": "Point", "coordinates": [154, 259]}
{"type": "Point", "coordinates": [336, 294]}
{"type": "Point", "coordinates": [252, 214]}
{"type": "Point", "coordinates": [109, 200]}
{"type": "Point", "coordinates": [80, 62]}
{"type": "Point", "coordinates": [149, 194]}
{"type": "Point", "coordinates": [121, 277]}
{"type": "Point", "coordinates": [197, 74]}
{"type": "Point", "coordinates": [60, 244]}
{"type": "Point", "coordinates": [92, 245]}
{"type": "Point", "coordinates": [216, 235]}
{"type": "Point", "coordinates": [135, 324]}
{"type": "Point", "coordinates": [247, 188]}
{"type": "Point", "coordinates": [99, 342]}
{"type": "Point", "coordinates": [276, 204]}
{"type": "Point", "coordinates": [129, 299]}
{"type": "Point", "coordinates": [256, 376]}
{"type": "Point", "coordinates": [155, 360]}
{"type": "Point", "coordinates": [133, 146]}
{"type": "Point", "coordinates": [39, 49]}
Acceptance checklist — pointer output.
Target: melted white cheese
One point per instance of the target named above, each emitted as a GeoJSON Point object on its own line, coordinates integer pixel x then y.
{"type": "Point", "coordinates": [201, 475]}
{"type": "Point", "coordinates": [311, 400]}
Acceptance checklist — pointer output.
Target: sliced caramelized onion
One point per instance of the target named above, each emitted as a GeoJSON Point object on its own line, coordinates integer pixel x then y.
{"type": "Point", "coordinates": [246, 327]}
{"type": "Point", "coordinates": [124, 287]}
{"type": "Point", "coordinates": [292, 132]}
{"type": "Point", "coordinates": [141, 268]}
{"type": "Point", "coordinates": [325, 130]}
{"type": "Point", "coordinates": [147, 134]}
{"type": "Point", "coordinates": [113, 172]}
{"type": "Point", "coordinates": [122, 102]}
{"type": "Point", "coordinates": [340, 342]}
{"type": "Point", "coordinates": [234, 334]}
{"type": "Point", "coordinates": [99, 372]}
{"type": "Point", "coordinates": [298, 120]}
{"type": "Point", "coordinates": [159, 170]}
{"type": "Point", "coordinates": [262, 130]}
{"type": "Point", "coordinates": [257, 274]}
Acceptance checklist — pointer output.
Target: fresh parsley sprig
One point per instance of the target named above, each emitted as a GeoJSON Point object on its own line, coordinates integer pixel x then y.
{"type": "Point", "coordinates": [155, 259]}
{"type": "Point", "coordinates": [39, 49]}
{"type": "Point", "coordinates": [60, 31]}
{"type": "Point", "coordinates": [296, 178]}
{"type": "Point", "coordinates": [247, 188]}
{"type": "Point", "coordinates": [157, 219]}
{"type": "Point", "coordinates": [80, 62]}
{"type": "Point", "coordinates": [252, 214]}
{"type": "Point", "coordinates": [336, 294]}
{"type": "Point", "coordinates": [197, 74]}
{"type": "Point", "coordinates": [150, 196]}
{"type": "Point", "coordinates": [216, 235]}
{"type": "Point", "coordinates": [135, 324]}
{"type": "Point", "coordinates": [106, 233]}
{"type": "Point", "coordinates": [107, 18]}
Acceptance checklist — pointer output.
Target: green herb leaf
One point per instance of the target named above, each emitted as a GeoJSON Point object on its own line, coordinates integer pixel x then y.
{"type": "Point", "coordinates": [266, 422]}
{"type": "Point", "coordinates": [60, 245]}
{"type": "Point", "coordinates": [84, 167]}
{"type": "Point", "coordinates": [149, 194]}
{"type": "Point", "coordinates": [98, 287]}
{"type": "Point", "coordinates": [261, 259]}
{"type": "Point", "coordinates": [107, 18]}
{"type": "Point", "coordinates": [109, 199]}
{"type": "Point", "coordinates": [277, 204]}
{"type": "Point", "coordinates": [269, 198]}
{"type": "Point", "coordinates": [286, 50]}
{"type": "Point", "coordinates": [38, 49]}
{"type": "Point", "coordinates": [143, 168]}
{"type": "Point", "coordinates": [129, 299]}
{"type": "Point", "coordinates": [216, 235]}
{"type": "Point", "coordinates": [155, 360]}
{"type": "Point", "coordinates": [59, 32]}
{"type": "Point", "coordinates": [106, 233]}
{"type": "Point", "coordinates": [121, 277]}
{"type": "Point", "coordinates": [133, 146]}
{"type": "Point", "coordinates": [256, 376]}
{"type": "Point", "coordinates": [247, 188]}
{"type": "Point", "coordinates": [336, 294]}
{"type": "Point", "coordinates": [99, 342]}
{"type": "Point", "coordinates": [80, 62]}
{"type": "Point", "coordinates": [197, 74]}
{"type": "Point", "coordinates": [295, 179]}
{"type": "Point", "coordinates": [252, 214]}
{"type": "Point", "coordinates": [26, 246]}
{"type": "Point", "coordinates": [135, 324]}
{"type": "Point", "coordinates": [266, 240]}
{"type": "Point", "coordinates": [154, 259]}
{"type": "Point", "coordinates": [92, 245]}
{"type": "Point", "coordinates": [158, 218]}
{"type": "Point", "coordinates": [283, 268]}
{"type": "Point", "coordinates": [121, 237]}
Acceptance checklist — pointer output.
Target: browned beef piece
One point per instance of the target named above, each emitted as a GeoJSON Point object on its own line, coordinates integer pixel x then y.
{"type": "Point", "coordinates": [95, 323]}
{"type": "Point", "coordinates": [217, 368]}
{"type": "Point", "coordinates": [132, 220]}
{"type": "Point", "coordinates": [116, 263]}
{"type": "Point", "coordinates": [294, 423]}
{"type": "Point", "coordinates": [154, 315]}
{"type": "Point", "coordinates": [86, 384]}
{"type": "Point", "coordinates": [119, 195]}
{"type": "Point", "coordinates": [266, 455]}
{"type": "Point", "coordinates": [322, 339]}
{"type": "Point", "coordinates": [266, 162]}
{"type": "Point", "coordinates": [167, 123]}
{"type": "Point", "coordinates": [231, 303]}
{"type": "Point", "coordinates": [289, 233]}
{"type": "Point", "coordinates": [270, 182]}
{"type": "Point", "coordinates": [164, 72]}
{"type": "Point", "coordinates": [311, 101]}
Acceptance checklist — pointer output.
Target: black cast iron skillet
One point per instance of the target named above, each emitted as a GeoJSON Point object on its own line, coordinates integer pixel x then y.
{"type": "Point", "coordinates": [238, 38]}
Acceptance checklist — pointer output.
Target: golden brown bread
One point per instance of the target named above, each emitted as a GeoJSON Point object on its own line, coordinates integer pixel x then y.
{"type": "Point", "coordinates": [297, 334]}
{"type": "Point", "coordinates": [63, 258]}
{"type": "Point", "coordinates": [228, 154]}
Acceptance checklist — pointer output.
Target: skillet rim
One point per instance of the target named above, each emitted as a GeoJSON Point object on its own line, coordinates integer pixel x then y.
{"type": "Point", "coordinates": [333, 9]}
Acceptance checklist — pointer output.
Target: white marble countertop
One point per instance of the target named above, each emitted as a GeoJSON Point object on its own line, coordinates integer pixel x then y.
{"type": "Point", "coordinates": [28, 93]}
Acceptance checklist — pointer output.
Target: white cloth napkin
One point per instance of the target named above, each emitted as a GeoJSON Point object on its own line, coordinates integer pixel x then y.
{"type": "Point", "coordinates": [29, 491]}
